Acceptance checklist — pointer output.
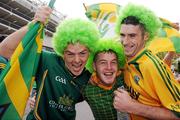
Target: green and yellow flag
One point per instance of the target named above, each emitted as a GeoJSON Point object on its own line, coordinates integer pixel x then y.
{"type": "Point", "coordinates": [17, 77]}
{"type": "Point", "coordinates": [104, 16]}
{"type": "Point", "coordinates": [168, 39]}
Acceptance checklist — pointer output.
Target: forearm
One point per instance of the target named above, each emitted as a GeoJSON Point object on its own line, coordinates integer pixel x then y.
{"type": "Point", "coordinates": [152, 112]}
{"type": "Point", "coordinates": [168, 58]}
{"type": "Point", "coordinates": [8, 45]}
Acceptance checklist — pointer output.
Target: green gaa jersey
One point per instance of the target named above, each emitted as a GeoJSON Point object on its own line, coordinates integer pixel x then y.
{"type": "Point", "coordinates": [101, 100]}
{"type": "Point", "coordinates": [151, 82]}
{"type": "Point", "coordinates": [58, 91]}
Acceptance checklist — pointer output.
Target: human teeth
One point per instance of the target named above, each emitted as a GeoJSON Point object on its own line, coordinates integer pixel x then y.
{"type": "Point", "coordinates": [76, 65]}
{"type": "Point", "coordinates": [110, 73]}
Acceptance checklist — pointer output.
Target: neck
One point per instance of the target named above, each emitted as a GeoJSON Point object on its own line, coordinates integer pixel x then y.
{"type": "Point", "coordinates": [96, 81]}
{"type": "Point", "coordinates": [130, 57]}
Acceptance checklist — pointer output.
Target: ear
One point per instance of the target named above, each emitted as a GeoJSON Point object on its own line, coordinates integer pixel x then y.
{"type": "Point", "coordinates": [146, 36]}
{"type": "Point", "coordinates": [94, 66]}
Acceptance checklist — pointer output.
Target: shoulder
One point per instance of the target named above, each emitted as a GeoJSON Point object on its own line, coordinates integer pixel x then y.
{"type": "Point", "coordinates": [149, 60]}
{"type": "Point", "coordinates": [48, 54]}
{"type": "Point", "coordinates": [120, 80]}
{"type": "Point", "coordinates": [84, 77]}
{"type": "Point", "coordinates": [155, 66]}
{"type": "Point", "coordinates": [49, 60]}
{"type": "Point", "coordinates": [50, 57]}
{"type": "Point", "coordinates": [3, 60]}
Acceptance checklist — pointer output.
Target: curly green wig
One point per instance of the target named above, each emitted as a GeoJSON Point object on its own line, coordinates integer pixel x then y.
{"type": "Point", "coordinates": [106, 45]}
{"type": "Point", "coordinates": [146, 17]}
{"type": "Point", "coordinates": [73, 31]}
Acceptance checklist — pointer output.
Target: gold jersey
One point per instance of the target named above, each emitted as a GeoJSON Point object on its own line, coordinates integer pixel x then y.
{"type": "Point", "coordinates": [151, 82]}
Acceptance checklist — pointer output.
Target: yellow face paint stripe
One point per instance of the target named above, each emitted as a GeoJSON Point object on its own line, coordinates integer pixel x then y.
{"type": "Point", "coordinates": [19, 94]}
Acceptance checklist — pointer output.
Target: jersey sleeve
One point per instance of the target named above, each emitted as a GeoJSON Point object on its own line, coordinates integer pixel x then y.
{"type": "Point", "coordinates": [164, 84]}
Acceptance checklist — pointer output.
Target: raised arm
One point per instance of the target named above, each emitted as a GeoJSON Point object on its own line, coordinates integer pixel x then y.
{"type": "Point", "coordinates": [124, 103]}
{"type": "Point", "coordinates": [8, 46]}
{"type": "Point", "coordinates": [168, 58]}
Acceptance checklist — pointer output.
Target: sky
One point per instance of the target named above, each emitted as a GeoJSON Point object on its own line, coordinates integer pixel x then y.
{"type": "Point", "coordinates": [169, 9]}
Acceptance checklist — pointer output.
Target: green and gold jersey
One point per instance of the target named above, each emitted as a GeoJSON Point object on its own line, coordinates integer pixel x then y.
{"type": "Point", "coordinates": [58, 91]}
{"type": "Point", "coordinates": [3, 62]}
{"type": "Point", "coordinates": [101, 100]}
{"type": "Point", "coordinates": [151, 82]}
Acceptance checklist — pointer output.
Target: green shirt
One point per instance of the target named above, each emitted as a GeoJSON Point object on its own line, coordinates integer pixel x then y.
{"type": "Point", "coordinates": [59, 91]}
{"type": "Point", "coordinates": [101, 101]}
{"type": "Point", "coordinates": [3, 62]}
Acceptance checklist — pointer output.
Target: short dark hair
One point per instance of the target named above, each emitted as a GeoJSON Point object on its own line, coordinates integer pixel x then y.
{"type": "Point", "coordinates": [133, 21]}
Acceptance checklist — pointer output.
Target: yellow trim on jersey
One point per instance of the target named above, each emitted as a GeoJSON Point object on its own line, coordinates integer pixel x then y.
{"type": "Point", "coordinates": [39, 94]}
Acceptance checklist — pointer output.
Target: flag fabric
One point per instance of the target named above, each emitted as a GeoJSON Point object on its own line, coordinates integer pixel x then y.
{"type": "Point", "coordinates": [104, 16]}
{"type": "Point", "coordinates": [17, 78]}
{"type": "Point", "coordinates": [168, 39]}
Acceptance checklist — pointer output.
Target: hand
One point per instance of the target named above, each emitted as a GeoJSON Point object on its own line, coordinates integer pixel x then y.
{"type": "Point", "coordinates": [32, 101]}
{"type": "Point", "coordinates": [122, 101]}
{"type": "Point", "coordinates": [42, 14]}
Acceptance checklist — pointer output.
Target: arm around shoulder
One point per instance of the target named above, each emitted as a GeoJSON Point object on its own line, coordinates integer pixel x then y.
{"type": "Point", "coordinates": [152, 112]}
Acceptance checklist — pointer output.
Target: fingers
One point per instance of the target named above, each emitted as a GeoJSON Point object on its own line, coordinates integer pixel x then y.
{"type": "Point", "coordinates": [116, 101]}
{"type": "Point", "coordinates": [42, 14]}
{"type": "Point", "coordinates": [32, 102]}
{"type": "Point", "coordinates": [117, 96]}
{"type": "Point", "coordinates": [118, 91]}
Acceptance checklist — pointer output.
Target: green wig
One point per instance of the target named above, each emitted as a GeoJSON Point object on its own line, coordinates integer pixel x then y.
{"type": "Point", "coordinates": [73, 31]}
{"type": "Point", "coordinates": [145, 16]}
{"type": "Point", "coordinates": [106, 45]}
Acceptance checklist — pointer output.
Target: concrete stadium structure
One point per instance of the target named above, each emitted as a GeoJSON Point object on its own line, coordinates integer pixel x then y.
{"type": "Point", "coordinates": [15, 14]}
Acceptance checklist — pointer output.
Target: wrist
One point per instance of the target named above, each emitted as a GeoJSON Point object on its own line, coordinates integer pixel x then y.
{"type": "Point", "coordinates": [133, 107]}
{"type": "Point", "coordinates": [30, 25]}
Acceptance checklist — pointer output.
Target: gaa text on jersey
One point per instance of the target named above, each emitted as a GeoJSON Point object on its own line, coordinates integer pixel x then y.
{"type": "Point", "coordinates": [60, 79]}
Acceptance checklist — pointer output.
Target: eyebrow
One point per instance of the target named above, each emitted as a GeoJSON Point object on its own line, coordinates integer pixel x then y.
{"type": "Point", "coordinates": [85, 50]}
{"type": "Point", "coordinates": [106, 60]}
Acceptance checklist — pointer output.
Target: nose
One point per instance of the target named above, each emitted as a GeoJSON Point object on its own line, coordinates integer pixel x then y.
{"type": "Point", "coordinates": [77, 59]}
{"type": "Point", "coordinates": [125, 41]}
{"type": "Point", "coordinates": [109, 66]}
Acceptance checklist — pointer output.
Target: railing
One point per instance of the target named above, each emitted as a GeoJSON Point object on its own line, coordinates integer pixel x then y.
{"type": "Point", "coordinates": [56, 13]}
{"type": "Point", "coordinates": [9, 23]}
{"type": "Point", "coordinates": [15, 11]}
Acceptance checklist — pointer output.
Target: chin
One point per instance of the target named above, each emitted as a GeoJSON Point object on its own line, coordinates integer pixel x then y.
{"type": "Point", "coordinates": [109, 82]}
{"type": "Point", "coordinates": [77, 73]}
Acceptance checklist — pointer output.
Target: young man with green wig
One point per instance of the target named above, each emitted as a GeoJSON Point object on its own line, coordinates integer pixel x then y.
{"type": "Point", "coordinates": [61, 76]}
{"type": "Point", "coordinates": [105, 64]}
{"type": "Point", "coordinates": [154, 93]}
